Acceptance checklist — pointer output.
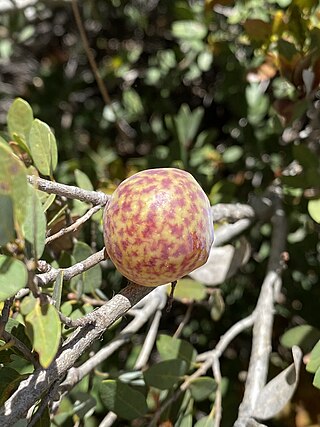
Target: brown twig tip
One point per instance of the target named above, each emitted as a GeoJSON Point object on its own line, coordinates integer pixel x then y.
{"type": "Point", "coordinates": [170, 300]}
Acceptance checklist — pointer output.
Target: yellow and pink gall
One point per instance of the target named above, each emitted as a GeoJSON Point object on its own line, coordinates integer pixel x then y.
{"type": "Point", "coordinates": [158, 226]}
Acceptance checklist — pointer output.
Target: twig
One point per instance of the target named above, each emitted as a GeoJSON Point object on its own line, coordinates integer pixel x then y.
{"type": "Point", "coordinates": [152, 302]}
{"type": "Point", "coordinates": [69, 191]}
{"type": "Point", "coordinates": [31, 389]}
{"type": "Point", "coordinates": [149, 341]}
{"type": "Point", "coordinates": [125, 129]}
{"type": "Point", "coordinates": [262, 331]}
{"type": "Point", "coordinates": [108, 420]}
{"type": "Point", "coordinates": [232, 212]}
{"type": "Point", "coordinates": [75, 225]}
{"type": "Point", "coordinates": [5, 314]}
{"type": "Point", "coordinates": [228, 232]}
{"type": "Point", "coordinates": [143, 357]}
{"type": "Point", "coordinates": [184, 321]}
{"type": "Point", "coordinates": [218, 397]}
{"type": "Point", "coordinates": [74, 270]}
{"type": "Point", "coordinates": [207, 359]}
{"type": "Point", "coordinates": [19, 345]}
{"type": "Point", "coordinates": [44, 403]}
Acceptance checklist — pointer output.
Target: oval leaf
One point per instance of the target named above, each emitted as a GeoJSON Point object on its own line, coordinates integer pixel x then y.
{"type": "Point", "coordinates": [188, 290]}
{"type": "Point", "coordinates": [314, 210]}
{"type": "Point", "coordinates": [20, 117]}
{"type": "Point", "coordinates": [276, 393]}
{"type": "Point", "coordinates": [43, 147]}
{"type": "Point", "coordinates": [44, 330]}
{"type": "Point", "coordinates": [205, 422]}
{"type": "Point", "coordinates": [13, 181]}
{"type": "Point", "coordinates": [314, 362]}
{"type": "Point", "coordinates": [188, 29]}
{"type": "Point", "coordinates": [35, 224]}
{"type": "Point", "coordinates": [304, 336]}
{"type": "Point", "coordinates": [82, 180]}
{"type": "Point", "coordinates": [201, 388]}
{"type": "Point", "coordinates": [165, 375]}
{"type": "Point", "coordinates": [122, 399]}
{"type": "Point", "coordinates": [13, 276]}
{"type": "Point", "coordinates": [316, 379]}
{"type": "Point", "coordinates": [174, 348]}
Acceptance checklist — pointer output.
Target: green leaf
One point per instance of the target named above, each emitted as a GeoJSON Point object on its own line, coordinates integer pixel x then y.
{"type": "Point", "coordinates": [207, 421]}
{"type": "Point", "coordinates": [13, 181]}
{"type": "Point", "coordinates": [202, 387]}
{"type": "Point", "coordinates": [17, 329]}
{"type": "Point", "coordinates": [232, 154]}
{"type": "Point", "coordinates": [7, 233]}
{"type": "Point", "coordinates": [174, 348]}
{"type": "Point", "coordinates": [188, 290]}
{"type": "Point", "coordinates": [48, 202]}
{"type": "Point", "coordinates": [314, 210]}
{"type": "Point", "coordinates": [20, 117]}
{"type": "Point", "coordinates": [122, 399]}
{"type": "Point", "coordinates": [186, 421]}
{"type": "Point", "coordinates": [314, 362]}
{"type": "Point", "coordinates": [28, 304]}
{"type": "Point", "coordinates": [188, 29]}
{"type": "Point", "coordinates": [44, 330]}
{"type": "Point", "coordinates": [304, 336]}
{"type": "Point", "coordinates": [82, 180]}
{"type": "Point", "coordinates": [316, 379]}
{"type": "Point", "coordinates": [187, 123]}
{"type": "Point", "coordinates": [35, 224]}
{"type": "Point", "coordinates": [43, 147]}
{"type": "Point", "coordinates": [91, 279]}
{"type": "Point", "coordinates": [10, 380]}
{"type": "Point", "coordinates": [13, 276]}
{"type": "Point", "coordinates": [166, 374]}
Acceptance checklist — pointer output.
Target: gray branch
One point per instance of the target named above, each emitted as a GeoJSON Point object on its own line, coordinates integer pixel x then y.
{"type": "Point", "coordinates": [78, 268]}
{"type": "Point", "coordinates": [69, 191]}
{"type": "Point", "coordinates": [262, 330]}
{"type": "Point", "coordinates": [31, 389]}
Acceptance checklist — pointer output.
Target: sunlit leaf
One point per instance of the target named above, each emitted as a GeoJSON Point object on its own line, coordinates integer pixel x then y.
{"type": "Point", "coordinates": [20, 117]}
{"type": "Point", "coordinates": [35, 224]}
{"type": "Point", "coordinates": [189, 29]}
{"type": "Point", "coordinates": [188, 290]}
{"type": "Point", "coordinates": [207, 421]}
{"type": "Point", "coordinates": [43, 147]}
{"type": "Point", "coordinates": [314, 209]}
{"type": "Point", "coordinates": [44, 330]}
{"type": "Point", "coordinates": [314, 362]}
{"type": "Point", "coordinates": [175, 348]}
{"type": "Point", "coordinates": [304, 336]}
{"type": "Point", "coordinates": [82, 180]}
{"type": "Point", "coordinates": [13, 181]}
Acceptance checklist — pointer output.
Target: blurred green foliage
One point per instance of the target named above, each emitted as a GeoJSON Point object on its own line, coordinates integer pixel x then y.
{"type": "Point", "coordinates": [226, 89]}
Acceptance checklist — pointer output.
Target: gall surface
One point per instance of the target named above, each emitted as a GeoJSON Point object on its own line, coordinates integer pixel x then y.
{"type": "Point", "coordinates": [158, 226]}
